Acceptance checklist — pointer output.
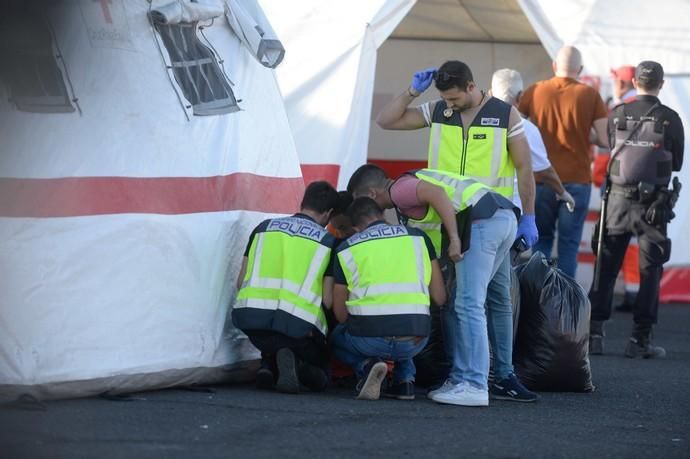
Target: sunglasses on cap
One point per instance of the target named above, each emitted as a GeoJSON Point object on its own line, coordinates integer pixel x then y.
{"type": "Point", "coordinates": [443, 77]}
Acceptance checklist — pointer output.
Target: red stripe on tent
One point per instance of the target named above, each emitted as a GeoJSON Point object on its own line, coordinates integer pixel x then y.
{"type": "Point", "coordinates": [80, 196]}
{"type": "Point", "coordinates": [327, 172]}
{"type": "Point", "coordinates": [396, 168]}
{"type": "Point", "coordinates": [586, 257]}
{"type": "Point", "coordinates": [675, 285]}
{"type": "Point", "coordinates": [592, 216]}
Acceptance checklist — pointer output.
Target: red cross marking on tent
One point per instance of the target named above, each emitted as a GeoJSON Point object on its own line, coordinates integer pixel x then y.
{"type": "Point", "coordinates": [106, 10]}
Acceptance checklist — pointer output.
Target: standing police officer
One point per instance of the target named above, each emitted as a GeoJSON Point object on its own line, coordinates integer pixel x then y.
{"type": "Point", "coordinates": [646, 139]}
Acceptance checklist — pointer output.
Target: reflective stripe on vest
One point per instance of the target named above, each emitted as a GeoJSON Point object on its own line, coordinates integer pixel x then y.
{"type": "Point", "coordinates": [483, 156]}
{"type": "Point", "coordinates": [387, 275]}
{"type": "Point", "coordinates": [305, 259]}
{"type": "Point", "coordinates": [462, 193]}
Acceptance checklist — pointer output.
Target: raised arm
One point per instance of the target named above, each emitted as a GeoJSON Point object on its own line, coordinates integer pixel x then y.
{"type": "Point", "coordinates": [397, 114]}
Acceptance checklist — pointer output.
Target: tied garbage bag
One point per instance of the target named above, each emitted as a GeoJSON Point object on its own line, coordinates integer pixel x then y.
{"type": "Point", "coordinates": [551, 346]}
{"type": "Point", "coordinates": [432, 363]}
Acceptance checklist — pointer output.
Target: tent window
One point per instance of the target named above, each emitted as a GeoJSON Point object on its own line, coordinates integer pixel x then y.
{"type": "Point", "coordinates": [196, 70]}
{"type": "Point", "coordinates": [30, 70]}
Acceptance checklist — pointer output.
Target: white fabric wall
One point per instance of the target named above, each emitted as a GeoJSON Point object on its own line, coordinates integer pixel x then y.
{"type": "Point", "coordinates": [103, 295]}
{"type": "Point", "coordinates": [327, 77]}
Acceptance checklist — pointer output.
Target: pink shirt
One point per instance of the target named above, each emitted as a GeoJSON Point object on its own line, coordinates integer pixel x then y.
{"type": "Point", "coordinates": [404, 196]}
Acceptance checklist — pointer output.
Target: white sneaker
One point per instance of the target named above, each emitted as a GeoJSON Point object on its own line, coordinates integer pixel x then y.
{"type": "Point", "coordinates": [447, 385]}
{"type": "Point", "coordinates": [463, 394]}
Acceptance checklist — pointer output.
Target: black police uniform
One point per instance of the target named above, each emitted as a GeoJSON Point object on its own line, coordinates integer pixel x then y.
{"type": "Point", "coordinates": [649, 155]}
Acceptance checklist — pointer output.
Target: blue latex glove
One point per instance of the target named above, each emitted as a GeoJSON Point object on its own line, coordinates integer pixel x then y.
{"type": "Point", "coordinates": [528, 230]}
{"type": "Point", "coordinates": [422, 79]}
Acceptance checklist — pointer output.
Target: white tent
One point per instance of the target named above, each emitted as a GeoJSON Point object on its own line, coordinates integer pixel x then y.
{"type": "Point", "coordinates": [127, 189]}
{"type": "Point", "coordinates": [136, 158]}
{"type": "Point", "coordinates": [524, 35]}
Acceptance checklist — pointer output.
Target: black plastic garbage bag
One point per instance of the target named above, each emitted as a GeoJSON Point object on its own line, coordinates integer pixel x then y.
{"type": "Point", "coordinates": [551, 346]}
{"type": "Point", "coordinates": [432, 363]}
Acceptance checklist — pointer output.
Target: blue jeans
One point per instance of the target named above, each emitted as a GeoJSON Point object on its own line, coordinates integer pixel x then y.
{"type": "Point", "coordinates": [549, 210]}
{"type": "Point", "coordinates": [354, 351]}
{"type": "Point", "coordinates": [482, 280]}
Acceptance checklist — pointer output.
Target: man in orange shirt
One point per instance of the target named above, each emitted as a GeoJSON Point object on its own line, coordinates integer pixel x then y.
{"type": "Point", "coordinates": [565, 111]}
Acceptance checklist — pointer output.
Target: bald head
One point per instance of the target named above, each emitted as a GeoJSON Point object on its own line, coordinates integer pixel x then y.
{"type": "Point", "coordinates": [568, 62]}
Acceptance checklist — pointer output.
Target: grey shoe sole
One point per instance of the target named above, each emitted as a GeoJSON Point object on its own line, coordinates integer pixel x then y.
{"type": "Point", "coordinates": [385, 394]}
{"type": "Point", "coordinates": [371, 389]}
{"type": "Point", "coordinates": [287, 372]}
{"type": "Point", "coordinates": [633, 351]}
{"type": "Point", "coordinates": [512, 399]}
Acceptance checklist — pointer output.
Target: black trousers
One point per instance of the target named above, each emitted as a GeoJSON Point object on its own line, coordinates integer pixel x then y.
{"type": "Point", "coordinates": [625, 218]}
{"type": "Point", "coordinates": [311, 349]}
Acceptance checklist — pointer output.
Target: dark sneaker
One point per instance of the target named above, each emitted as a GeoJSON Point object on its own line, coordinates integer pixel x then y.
{"type": "Point", "coordinates": [369, 387]}
{"type": "Point", "coordinates": [400, 391]}
{"type": "Point", "coordinates": [265, 379]}
{"type": "Point", "coordinates": [640, 347]}
{"type": "Point", "coordinates": [596, 345]}
{"type": "Point", "coordinates": [287, 372]}
{"type": "Point", "coordinates": [511, 388]}
{"type": "Point", "coordinates": [313, 377]}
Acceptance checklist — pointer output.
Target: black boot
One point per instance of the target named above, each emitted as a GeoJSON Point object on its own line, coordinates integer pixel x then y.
{"type": "Point", "coordinates": [287, 372]}
{"type": "Point", "coordinates": [313, 377]}
{"type": "Point", "coordinates": [640, 344]}
{"type": "Point", "coordinates": [266, 374]}
{"type": "Point", "coordinates": [596, 337]}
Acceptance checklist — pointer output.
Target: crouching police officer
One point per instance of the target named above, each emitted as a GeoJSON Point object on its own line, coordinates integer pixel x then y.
{"type": "Point", "coordinates": [284, 279]}
{"type": "Point", "coordinates": [385, 277]}
{"type": "Point", "coordinates": [646, 146]}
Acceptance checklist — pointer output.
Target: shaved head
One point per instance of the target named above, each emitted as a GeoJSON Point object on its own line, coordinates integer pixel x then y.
{"type": "Point", "coordinates": [568, 62]}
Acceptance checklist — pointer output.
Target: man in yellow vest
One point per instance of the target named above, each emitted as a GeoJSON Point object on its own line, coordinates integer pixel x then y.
{"type": "Point", "coordinates": [436, 201]}
{"type": "Point", "coordinates": [385, 277]}
{"type": "Point", "coordinates": [472, 134]}
{"type": "Point", "coordinates": [286, 276]}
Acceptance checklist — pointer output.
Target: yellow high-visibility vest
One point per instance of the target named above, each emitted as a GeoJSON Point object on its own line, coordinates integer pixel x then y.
{"type": "Point", "coordinates": [283, 287]}
{"type": "Point", "coordinates": [481, 153]}
{"type": "Point", "coordinates": [388, 271]}
{"type": "Point", "coordinates": [462, 192]}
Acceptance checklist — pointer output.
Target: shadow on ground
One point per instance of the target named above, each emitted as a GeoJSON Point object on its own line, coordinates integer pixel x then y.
{"type": "Point", "coordinates": [640, 409]}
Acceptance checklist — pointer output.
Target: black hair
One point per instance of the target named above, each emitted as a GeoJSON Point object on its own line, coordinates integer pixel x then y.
{"type": "Point", "coordinates": [453, 74]}
{"type": "Point", "coordinates": [367, 177]}
{"type": "Point", "coordinates": [362, 210]}
{"type": "Point", "coordinates": [319, 197]}
{"type": "Point", "coordinates": [344, 201]}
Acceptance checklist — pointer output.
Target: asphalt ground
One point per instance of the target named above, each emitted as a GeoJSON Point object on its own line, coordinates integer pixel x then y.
{"type": "Point", "coordinates": [640, 408]}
